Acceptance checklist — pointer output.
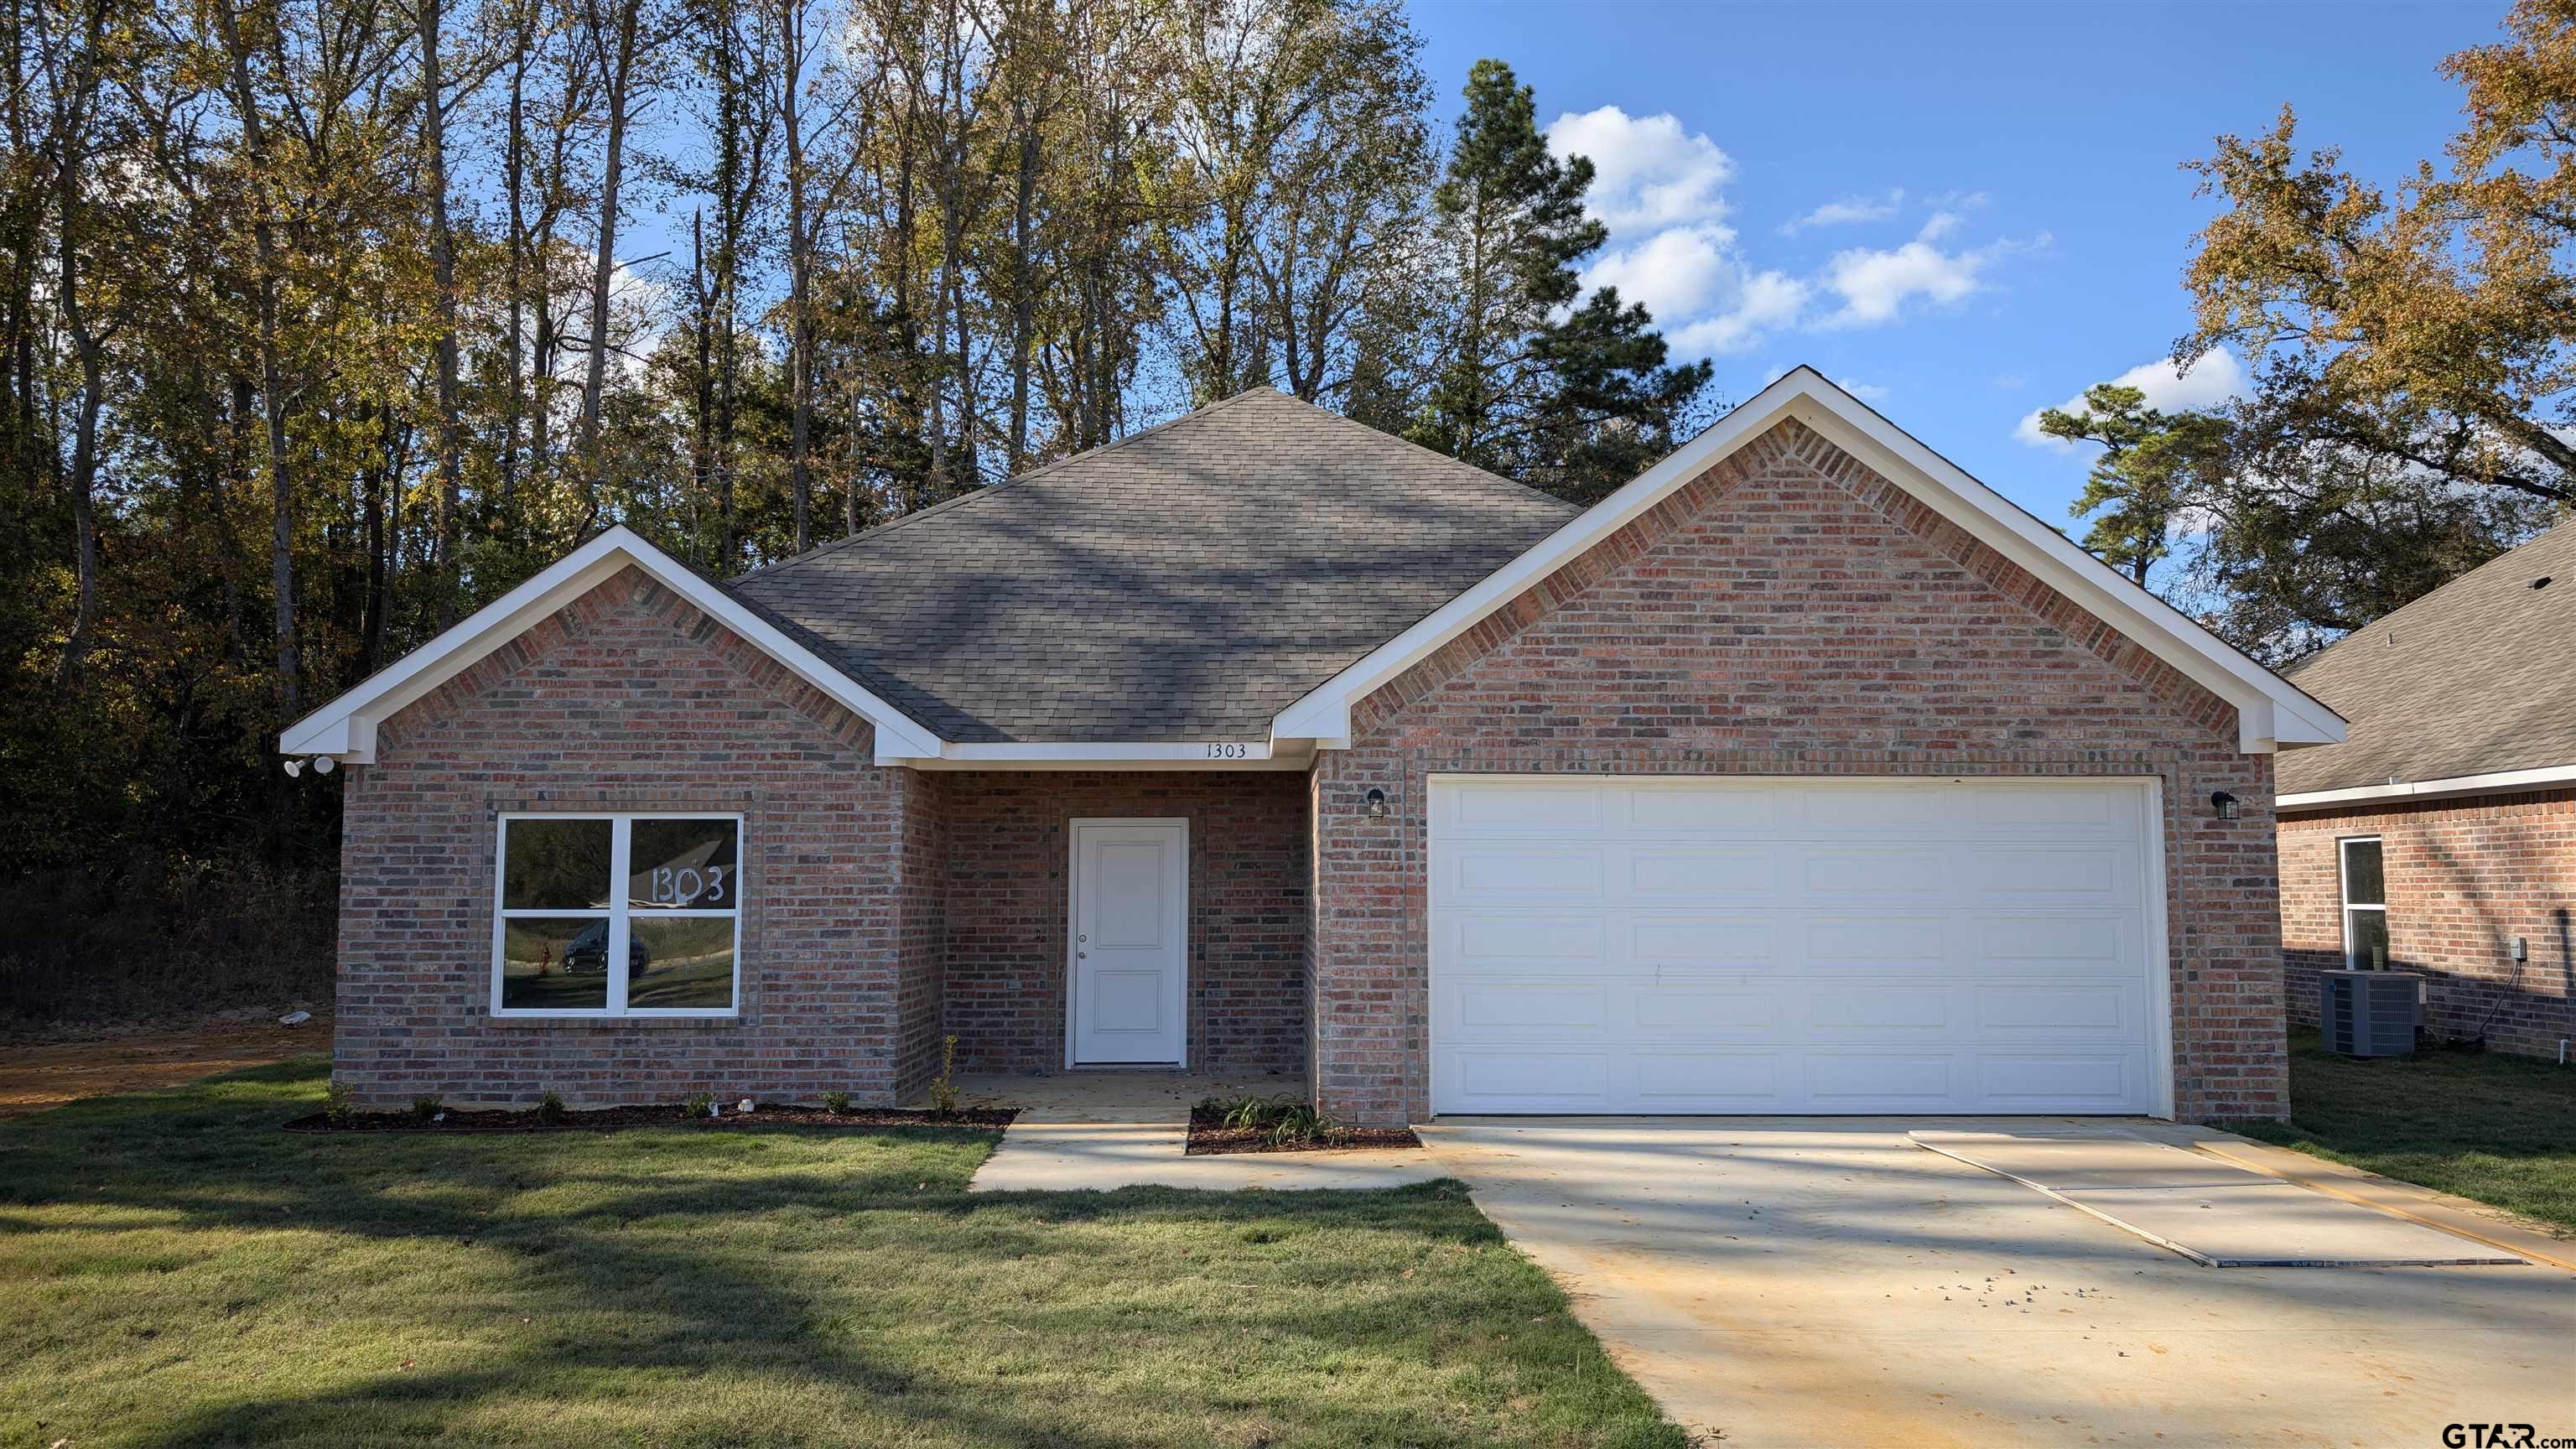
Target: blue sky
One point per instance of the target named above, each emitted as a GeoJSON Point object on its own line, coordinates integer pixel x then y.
{"type": "Point", "coordinates": [2004, 218]}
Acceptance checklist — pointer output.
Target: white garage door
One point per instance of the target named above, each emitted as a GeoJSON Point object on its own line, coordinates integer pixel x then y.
{"type": "Point", "coordinates": [1793, 946]}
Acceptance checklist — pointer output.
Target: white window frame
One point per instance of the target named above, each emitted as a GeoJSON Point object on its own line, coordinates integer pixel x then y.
{"type": "Point", "coordinates": [616, 913]}
{"type": "Point", "coordinates": [2343, 895]}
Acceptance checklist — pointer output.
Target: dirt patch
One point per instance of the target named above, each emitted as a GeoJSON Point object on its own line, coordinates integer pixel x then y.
{"type": "Point", "coordinates": [45, 1069]}
{"type": "Point", "coordinates": [1210, 1136]}
{"type": "Point", "coordinates": [618, 1119]}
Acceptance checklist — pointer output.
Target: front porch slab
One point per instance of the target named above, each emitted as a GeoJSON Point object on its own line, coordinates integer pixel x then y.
{"type": "Point", "coordinates": [1101, 1131]}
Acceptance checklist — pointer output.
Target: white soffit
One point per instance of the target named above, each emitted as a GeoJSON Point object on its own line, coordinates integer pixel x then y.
{"type": "Point", "coordinates": [2271, 712]}
{"type": "Point", "coordinates": [346, 727]}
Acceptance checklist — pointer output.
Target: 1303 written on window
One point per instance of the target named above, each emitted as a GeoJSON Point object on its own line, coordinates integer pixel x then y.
{"type": "Point", "coordinates": [618, 915]}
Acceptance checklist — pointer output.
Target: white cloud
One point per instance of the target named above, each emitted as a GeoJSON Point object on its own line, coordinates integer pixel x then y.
{"type": "Point", "coordinates": [2216, 377]}
{"type": "Point", "coordinates": [1877, 285]}
{"type": "Point", "coordinates": [1761, 302]}
{"type": "Point", "coordinates": [1848, 211]}
{"type": "Point", "coordinates": [1865, 391]}
{"type": "Point", "coordinates": [1676, 273]}
{"type": "Point", "coordinates": [1659, 189]}
{"type": "Point", "coordinates": [1650, 172]}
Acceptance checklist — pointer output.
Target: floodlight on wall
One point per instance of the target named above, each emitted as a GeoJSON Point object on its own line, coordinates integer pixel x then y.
{"type": "Point", "coordinates": [294, 768]}
{"type": "Point", "coordinates": [2224, 804]}
{"type": "Point", "coordinates": [1375, 801]}
{"type": "Point", "coordinates": [324, 764]}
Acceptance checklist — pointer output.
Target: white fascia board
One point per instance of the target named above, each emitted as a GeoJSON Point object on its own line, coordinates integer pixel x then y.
{"type": "Point", "coordinates": [2271, 712]}
{"type": "Point", "coordinates": [2542, 778]}
{"type": "Point", "coordinates": [346, 727]}
{"type": "Point", "coordinates": [1117, 755]}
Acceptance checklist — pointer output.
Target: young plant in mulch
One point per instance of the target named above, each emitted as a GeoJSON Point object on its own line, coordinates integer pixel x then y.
{"type": "Point", "coordinates": [943, 1088]}
{"type": "Point", "coordinates": [1281, 1124]}
{"type": "Point", "coordinates": [551, 1115]}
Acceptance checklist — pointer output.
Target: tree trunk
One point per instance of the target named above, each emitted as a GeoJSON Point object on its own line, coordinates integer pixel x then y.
{"type": "Point", "coordinates": [83, 87]}
{"type": "Point", "coordinates": [442, 265]}
{"type": "Point", "coordinates": [281, 556]}
{"type": "Point", "coordinates": [800, 328]}
{"type": "Point", "coordinates": [617, 66]}
{"type": "Point", "coordinates": [514, 406]}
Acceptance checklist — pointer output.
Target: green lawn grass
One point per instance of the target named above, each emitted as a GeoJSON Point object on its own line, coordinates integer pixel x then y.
{"type": "Point", "coordinates": [2500, 1129]}
{"type": "Point", "coordinates": [175, 1270]}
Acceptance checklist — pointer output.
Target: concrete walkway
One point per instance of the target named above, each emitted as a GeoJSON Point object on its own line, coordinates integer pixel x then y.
{"type": "Point", "coordinates": [1101, 1131]}
{"type": "Point", "coordinates": [1818, 1281]}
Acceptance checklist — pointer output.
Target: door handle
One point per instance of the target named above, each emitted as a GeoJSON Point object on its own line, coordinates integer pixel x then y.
{"type": "Point", "coordinates": [1082, 955]}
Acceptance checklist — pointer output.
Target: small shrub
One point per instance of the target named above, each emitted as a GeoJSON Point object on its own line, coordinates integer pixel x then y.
{"type": "Point", "coordinates": [337, 1108]}
{"type": "Point", "coordinates": [837, 1103]}
{"type": "Point", "coordinates": [427, 1108]}
{"type": "Point", "coordinates": [1285, 1119]}
{"type": "Point", "coordinates": [699, 1104]}
{"type": "Point", "coordinates": [943, 1088]}
{"type": "Point", "coordinates": [550, 1107]}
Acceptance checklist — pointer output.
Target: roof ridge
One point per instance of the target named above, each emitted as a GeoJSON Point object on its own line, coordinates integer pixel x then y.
{"type": "Point", "coordinates": [987, 490]}
{"type": "Point", "coordinates": [2392, 617]}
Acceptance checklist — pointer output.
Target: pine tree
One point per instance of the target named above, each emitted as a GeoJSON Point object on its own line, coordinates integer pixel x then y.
{"type": "Point", "coordinates": [1575, 399]}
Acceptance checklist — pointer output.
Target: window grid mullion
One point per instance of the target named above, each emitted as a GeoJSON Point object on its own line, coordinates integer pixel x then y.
{"type": "Point", "coordinates": [621, 841]}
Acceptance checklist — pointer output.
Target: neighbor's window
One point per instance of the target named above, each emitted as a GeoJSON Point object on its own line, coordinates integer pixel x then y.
{"type": "Point", "coordinates": [2365, 905]}
{"type": "Point", "coordinates": [618, 915]}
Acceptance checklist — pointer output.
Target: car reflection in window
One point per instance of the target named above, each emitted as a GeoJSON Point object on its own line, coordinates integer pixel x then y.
{"type": "Point", "coordinates": [588, 952]}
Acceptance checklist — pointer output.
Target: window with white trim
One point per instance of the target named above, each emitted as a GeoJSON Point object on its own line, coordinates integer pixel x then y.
{"type": "Point", "coordinates": [618, 915]}
{"type": "Point", "coordinates": [2365, 905]}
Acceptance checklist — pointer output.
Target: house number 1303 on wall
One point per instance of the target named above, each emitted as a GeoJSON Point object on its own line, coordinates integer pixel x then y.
{"type": "Point", "coordinates": [687, 886]}
{"type": "Point", "coordinates": [1228, 752]}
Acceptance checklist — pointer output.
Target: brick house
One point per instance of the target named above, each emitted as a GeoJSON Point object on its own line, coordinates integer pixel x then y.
{"type": "Point", "coordinates": [1802, 774]}
{"type": "Point", "coordinates": [2440, 836]}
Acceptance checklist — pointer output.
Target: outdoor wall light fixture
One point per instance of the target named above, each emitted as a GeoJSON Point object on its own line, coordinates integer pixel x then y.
{"type": "Point", "coordinates": [2224, 804]}
{"type": "Point", "coordinates": [1375, 800]}
{"type": "Point", "coordinates": [322, 765]}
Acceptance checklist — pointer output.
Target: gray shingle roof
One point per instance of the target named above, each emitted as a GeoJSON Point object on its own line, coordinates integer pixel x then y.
{"type": "Point", "coordinates": [2475, 677]}
{"type": "Point", "coordinates": [1186, 583]}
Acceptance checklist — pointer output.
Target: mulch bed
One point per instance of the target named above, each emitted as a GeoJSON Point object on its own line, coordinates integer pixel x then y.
{"type": "Point", "coordinates": [1209, 1135]}
{"type": "Point", "coordinates": [618, 1119]}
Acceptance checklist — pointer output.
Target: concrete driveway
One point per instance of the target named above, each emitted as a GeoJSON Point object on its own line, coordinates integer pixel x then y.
{"type": "Point", "coordinates": [1817, 1282]}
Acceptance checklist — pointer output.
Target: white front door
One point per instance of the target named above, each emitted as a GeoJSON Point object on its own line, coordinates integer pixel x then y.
{"type": "Point", "coordinates": [1817, 945]}
{"type": "Point", "coordinates": [1131, 890]}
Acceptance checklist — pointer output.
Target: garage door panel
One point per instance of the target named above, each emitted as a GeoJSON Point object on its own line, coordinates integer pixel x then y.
{"type": "Point", "coordinates": [1490, 1009]}
{"type": "Point", "coordinates": [1910, 945]}
{"type": "Point", "coordinates": [1506, 872]}
{"type": "Point", "coordinates": [1699, 943]}
{"type": "Point", "coordinates": [1504, 809]}
{"type": "Point", "coordinates": [1511, 942]}
{"type": "Point", "coordinates": [1652, 811]}
{"type": "Point", "coordinates": [1880, 1081]}
{"type": "Point", "coordinates": [1712, 1081]}
{"type": "Point", "coordinates": [1849, 873]}
{"type": "Point", "coordinates": [2084, 944]}
{"type": "Point", "coordinates": [1494, 1081]}
{"type": "Point", "coordinates": [1658, 1011]}
{"type": "Point", "coordinates": [2060, 1012]}
{"type": "Point", "coordinates": [1873, 810]}
{"type": "Point", "coordinates": [1661, 874]}
{"type": "Point", "coordinates": [1841, 1009]}
{"type": "Point", "coordinates": [1790, 946]}
{"type": "Point", "coordinates": [2067, 875]}
{"type": "Point", "coordinates": [2104, 1081]}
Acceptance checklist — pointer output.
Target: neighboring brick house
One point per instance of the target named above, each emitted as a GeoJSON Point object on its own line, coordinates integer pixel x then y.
{"type": "Point", "coordinates": [1802, 774]}
{"type": "Point", "coordinates": [2440, 837]}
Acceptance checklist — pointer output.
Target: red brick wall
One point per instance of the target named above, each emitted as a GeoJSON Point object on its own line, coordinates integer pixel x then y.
{"type": "Point", "coordinates": [1008, 838]}
{"type": "Point", "coordinates": [2465, 877]}
{"type": "Point", "coordinates": [921, 874]}
{"type": "Point", "coordinates": [630, 700]}
{"type": "Point", "coordinates": [1792, 613]}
